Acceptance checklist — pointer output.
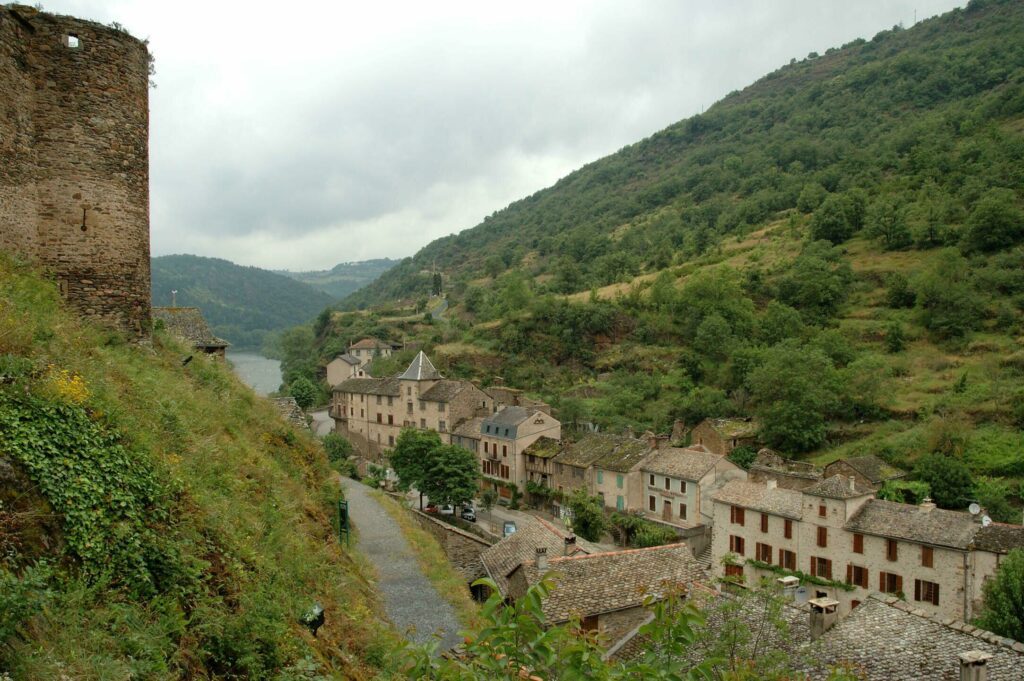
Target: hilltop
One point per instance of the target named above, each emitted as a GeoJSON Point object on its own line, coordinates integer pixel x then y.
{"type": "Point", "coordinates": [835, 249]}
{"type": "Point", "coordinates": [241, 304]}
{"type": "Point", "coordinates": [344, 278]}
{"type": "Point", "coordinates": [158, 520]}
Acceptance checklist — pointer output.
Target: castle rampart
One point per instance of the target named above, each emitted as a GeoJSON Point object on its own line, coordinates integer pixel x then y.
{"type": "Point", "coordinates": [74, 159]}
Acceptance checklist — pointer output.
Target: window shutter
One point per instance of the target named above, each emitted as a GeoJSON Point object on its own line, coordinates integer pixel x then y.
{"type": "Point", "coordinates": [935, 595]}
{"type": "Point", "coordinates": [849, 574]}
{"type": "Point", "coordinates": [828, 568]}
{"type": "Point", "coordinates": [899, 582]}
{"type": "Point", "coordinates": [917, 589]}
{"type": "Point", "coordinates": [881, 582]}
{"type": "Point", "coordinates": [814, 567]}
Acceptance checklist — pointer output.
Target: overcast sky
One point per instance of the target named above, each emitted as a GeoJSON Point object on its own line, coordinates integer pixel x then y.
{"type": "Point", "coordinates": [296, 136]}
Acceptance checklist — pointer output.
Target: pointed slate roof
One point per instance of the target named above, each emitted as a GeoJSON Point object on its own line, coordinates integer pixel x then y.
{"type": "Point", "coordinates": [421, 369]}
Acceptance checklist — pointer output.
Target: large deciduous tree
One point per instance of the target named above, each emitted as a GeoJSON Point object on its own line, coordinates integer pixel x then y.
{"type": "Point", "coordinates": [1004, 598]}
{"type": "Point", "coordinates": [410, 455]}
{"type": "Point", "coordinates": [450, 475]}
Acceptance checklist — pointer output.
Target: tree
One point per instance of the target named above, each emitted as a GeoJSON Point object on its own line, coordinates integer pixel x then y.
{"type": "Point", "coordinates": [895, 340]}
{"type": "Point", "coordinates": [588, 518]}
{"type": "Point", "coordinates": [995, 222]}
{"type": "Point", "coordinates": [795, 391]}
{"type": "Point", "coordinates": [887, 222]}
{"type": "Point", "coordinates": [948, 478]}
{"type": "Point", "coordinates": [450, 475]}
{"type": "Point", "coordinates": [304, 392]}
{"type": "Point", "coordinates": [743, 456]}
{"type": "Point", "coordinates": [436, 284]}
{"type": "Point", "coordinates": [713, 338]}
{"type": "Point", "coordinates": [898, 293]}
{"type": "Point", "coordinates": [338, 448]}
{"type": "Point", "coordinates": [1003, 610]}
{"type": "Point", "coordinates": [993, 495]}
{"type": "Point", "coordinates": [810, 197]}
{"type": "Point", "coordinates": [412, 450]}
{"type": "Point", "coordinates": [779, 322]}
{"type": "Point", "coordinates": [947, 304]}
{"type": "Point", "coordinates": [834, 219]}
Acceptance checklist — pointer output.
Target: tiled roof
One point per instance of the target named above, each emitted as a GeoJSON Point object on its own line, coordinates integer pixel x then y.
{"type": "Point", "coordinates": [938, 526]}
{"type": "Point", "coordinates": [502, 558]}
{"type": "Point", "coordinates": [688, 464]}
{"type": "Point", "coordinates": [349, 359]}
{"type": "Point", "coordinates": [369, 344]}
{"type": "Point", "coordinates": [188, 324]}
{"type": "Point", "coordinates": [626, 453]}
{"type": "Point", "coordinates": [421, 369]}
{"type": "Point", "coordinates": [370, 386]}
{"type": "Point", "coordinates": [837, 487]}
{"type": "Point", "coordinates": [544, 447]}
{"type": "Point", "coordinates": [443, 391]}
{"type": "Point", "coordinates": [873, 468]}
{"type": "Point", "coordinates": [999, 538]}
{"type": "Point", "coordinates": [470, 428]}
{"type": "Point", "coordinates": [734, 427]}
{"type": "Point", "coordinates": [606, 582]}
{"type": "Point", "coordinates": [889, 639]}
{"type": "Point", "coordinates": [759, 497]}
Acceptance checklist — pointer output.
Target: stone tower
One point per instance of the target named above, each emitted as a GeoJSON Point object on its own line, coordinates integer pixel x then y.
{"type": "Point", "coordinates": [74, 160]}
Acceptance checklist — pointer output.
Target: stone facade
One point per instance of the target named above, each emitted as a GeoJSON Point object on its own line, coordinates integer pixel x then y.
{"type": "Point", "coordinates": [721, 436]}
{"type": "Point", "coordinates": [74, 160]}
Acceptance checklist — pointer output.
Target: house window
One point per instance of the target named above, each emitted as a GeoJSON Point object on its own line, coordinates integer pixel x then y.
{"type": "Point", "coordinates": [362, 413]}
{"type": "Point", "coordinates": [589, 623]}
{"type": "Point", "coordinates": [823, 536]}
{"type": "Point", "coordinates": [619, 503]}
{"type": "Point", "coordinates": [764, 552]}
{"type": "Point", "coordinates": [821, 567]}
{"type": "Point", "coordinates": [618, 481]}
{"type": "Point", "coordinates": [788, 529]}
{"type": "Point", "coordinates": [391, 401]}
{"type": "Point", "coordinates": [351, 411]}
{"type": "Point", "coordinates": [577, 472]}
{"type": "Point", "coordinates": [736, 544]}
{"type": "Point", "coordinates": [733, 570]}
{"type": "Point", "coordinates": [423, 423]}
{"type": "Point", "coordinates": [668, 483]}
{"type": "Point", "coordinates": [891, 551]}
{"type": "Point", "coordinates": [736, 515]}
{"type": "Point", "coordinates": [485, 447]}
{"type": "Point", "coordinates": [380, 417]}
{"type": "Point", "coordinates": [440, 406]}
{"type": "Point", "coordinates": [72, 41]}
{"type": "Point", "coordinates": [787, 559]}
{"type": "Point", "coordinates": [559, 468]}
{"type": "Point", "coordinates": [391, 440]}
{"type": "Point", "coordinates": [682, 486]}
{"type": "Point", "coordinates": [855, 574]}
{"type": "Point", "coordinates": [821, 510]}
{"type": "Point", "coordinates": [927, 557]}
{"type": "Point", "coordinates": [666, 509]}
{"type": "Point", "coordinates": [652, 504]}
{"type": "Point", "coordinates": [927, 592]}
{"type": "Point", "coordinates": [764, 522]}
{"type": "Point", "coordinates": [423, 405]}
{"type": "Point", "coordinates": [408, 408]}
{"type": "Point", "coordinates": [504, 450]}
{"type": "Point", "coordinates": [506, 432]}
{"type": "Point", "coordinates": [408, 391]}
{"type": "Point", "coordinates": [651, 483]}
{"type": "Point", "coordinates": [600, 477]}
{"type": "Point", "coordinates": [682, 511]}
{"type": "Point", "coordinates": [889, 583]}
{"type": "Point", "coordinates": [441, 426]}
{"type": "Point", "coordinates": [391, 419]}
{"type": "Point", "coordinates": [504, 471]}
{"type": "Point", "coordinates": [858, 543]}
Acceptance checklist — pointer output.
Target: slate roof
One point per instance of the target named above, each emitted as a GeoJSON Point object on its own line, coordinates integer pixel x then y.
{"type": "Point", "coordinates": [443, 391]}
{"type": "Point", "coordinates": [510, 416]}
{"type": "Point", "coordinates": [349, 359]}
{"type": "Point", "coordinates": [759, 497]}
{"type": "Point", "coordinates": [470, 428]}
{"type": "Point", "coordinates": [730, 428]}
{"type": "Point", "coordinates": [521, 546]}
{"type": "Point", "coordinates": [370, 386]}
{"type": "Point", "coordinates": [888, 639]}
{"type": "Point", "coordinates": [873, 468]}
{"type": "Point", "coordinates": [421, 369]}
{"type": "Point", "coordinates": [684, 463]}
{"type": "Point", "coordinates": [999, 538]}
{"type": "Point", "coordinates": [837, 487]}
{"type": "Point", "coordinates": [544, 447]}
{"type": "Point", "coordinates": [606, 582]}
{"type": "Point", "coordinates": [370, 344]}
{"type": "Point", "coordinates": [188, 324]}
{"type": "Point", "coordinates": [938, 526]}
{"type": "Point", "coordinates": [611, 452]}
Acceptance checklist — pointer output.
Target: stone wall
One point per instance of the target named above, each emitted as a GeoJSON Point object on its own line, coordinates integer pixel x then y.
{"type": "Point", "coordinates": [462, 548]}
{"type": "Point", "coordinates": [74, 160]}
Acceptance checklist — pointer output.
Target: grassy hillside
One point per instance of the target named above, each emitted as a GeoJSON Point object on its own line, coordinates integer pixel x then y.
{"type": "Point", "coordinates": [836, 249]}
{"type": "Point", "coordinates": [344, 278]}
{"type": "Point", "coordinates": [929, 117]}
{"type": "Point", "coordinates": [242, 304]}
{"type": "Point", "coordinates": [159, 521]}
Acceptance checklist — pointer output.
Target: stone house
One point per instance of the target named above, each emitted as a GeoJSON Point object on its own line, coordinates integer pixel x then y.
{"type": "Point", "coordinates": [188, 324]}
{"type": "Point", "coordinates": [571, 467]}
{"type": "Point", "coordinates": [617, 472]}
{"type": "Point", "coordinates": [369, 349]}
{"type": "Point", "coordinates": [786, 473]}
{"type": "Point", "coordinates": [677, 481]}
{"type": "Point", "coordinates": [344, 367]}
{"type": "Point", "coordinates": [539, 464]}
{"type": "Point", "coordinates": [721, 436]}
{"type": "Point", "coordinates": [504, 396]}
{"type": "Point", "coordinates": [504, 437]}
{"type": "Point", "coordinates": [607, 591]}
{"type": "Point", "coordinates": [852, 543]}
{"type": "Point", "coordinates": [869, 471]}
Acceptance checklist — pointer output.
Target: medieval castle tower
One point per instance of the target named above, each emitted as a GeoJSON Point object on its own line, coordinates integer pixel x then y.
{"type": "Point", "coordinates": [74, 159]}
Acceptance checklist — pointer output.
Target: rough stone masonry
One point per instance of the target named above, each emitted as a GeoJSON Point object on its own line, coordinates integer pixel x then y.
{"type": "Point", "coordinates": [74, 160]}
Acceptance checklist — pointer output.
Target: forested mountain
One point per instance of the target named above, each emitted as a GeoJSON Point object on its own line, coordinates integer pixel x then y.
{"type": "Point", "coordinates": [911, 114]}
{"type": "Point", "coordinates": [242, 304]}
{"type": "Point", "coordinates": [344, 278]}
{"type": "Point", "coordinates": [835, 250]}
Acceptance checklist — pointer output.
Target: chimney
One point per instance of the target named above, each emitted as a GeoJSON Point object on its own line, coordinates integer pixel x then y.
{"type": "Point", "coordinates": [771, 483]}
{"type": "Point", "coordinates": [974, 665]}
{"type": "Point", "coordinates": [542, 559]}
{"type": "Point", "coordinates": [824, 612]}
{"type": "Point", "coordinates": [570, 544]}
{"type": "Point", "coordinates": [789, 585]}
{"type": "Point", "coordinates": [927, 505]}
{"type": "Point", "coordinates": [853, 484]}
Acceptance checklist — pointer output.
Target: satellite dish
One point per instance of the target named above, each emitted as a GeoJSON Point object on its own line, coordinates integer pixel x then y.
{"type": "Point", "coordinates": [974, 509]}
{"type": "Point", "coordinates": [985, 521]}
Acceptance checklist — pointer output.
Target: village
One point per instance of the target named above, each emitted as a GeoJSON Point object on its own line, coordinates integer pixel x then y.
{"type": "Point", "coordinates": [846, 561]}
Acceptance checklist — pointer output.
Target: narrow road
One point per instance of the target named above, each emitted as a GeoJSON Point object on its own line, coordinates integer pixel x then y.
{"type": "Point", "coordinates": [410, 600]}
{"type": "Point", "coordinates": [322, 422]}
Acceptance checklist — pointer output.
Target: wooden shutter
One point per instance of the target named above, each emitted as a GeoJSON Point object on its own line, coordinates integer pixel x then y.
{"type": "Point", "coordinates": [828, 568]}
{"type": "Point", "coordinates": [849, 574]}
{"type": "Point", "coordinates": [858, 543]}
{"type": "Point", "coordinates": [881, 582]}
{"type": "Point", "coordinates": [899, 582]}
{"type": "Point", "coordinates": [935, 594]}
{"type": "Point", "coordinates": [814, 567]}
{"type": "Point", "coordinates": [917, 589]}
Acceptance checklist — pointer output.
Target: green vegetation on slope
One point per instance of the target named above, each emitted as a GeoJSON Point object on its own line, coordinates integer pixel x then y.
{"type": "Point", "coordinates": [241, 304]}
{"type": "Point", "coordinates": [159, 520]}
{"type": "Point", "coordinates": [344, 278]}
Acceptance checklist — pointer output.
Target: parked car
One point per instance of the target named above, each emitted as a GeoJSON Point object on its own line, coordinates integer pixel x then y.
{"type": "Point", "coordinates": [447, 509]}
{"type": "Point", "coordinates": [508, 528]}
{"type": "Point", "coordinates": [431, 508]}
{"type": "Point", "coordinates": [468, 513]}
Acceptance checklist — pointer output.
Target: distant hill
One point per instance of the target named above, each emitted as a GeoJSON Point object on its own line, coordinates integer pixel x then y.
{"type": "Point", "coordinates": [241, 304]}
{"type": "Point", "coordinates": [344, 278]}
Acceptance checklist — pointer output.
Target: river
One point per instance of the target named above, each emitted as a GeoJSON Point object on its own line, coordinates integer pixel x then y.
{"type": "Point", "coordinates": [260, 373]}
